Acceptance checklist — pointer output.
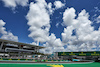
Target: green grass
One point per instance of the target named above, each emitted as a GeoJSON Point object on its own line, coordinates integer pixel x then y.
{"type": "Point", "coordinates": [46, 65]}
{"type": "Point", "coordinates": [83, 65]}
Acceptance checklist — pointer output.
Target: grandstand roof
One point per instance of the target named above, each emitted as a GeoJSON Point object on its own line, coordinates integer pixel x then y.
{"type": "Point", "coordinates": [19, 43]}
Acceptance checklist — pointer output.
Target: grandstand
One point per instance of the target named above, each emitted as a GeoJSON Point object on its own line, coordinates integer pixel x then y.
{"type": "Point", "coordinates": [27, 53]}
{"type": "Point", "coordinates": [85, 55]}
{"type": "Point", "coordinates": [12, 49]}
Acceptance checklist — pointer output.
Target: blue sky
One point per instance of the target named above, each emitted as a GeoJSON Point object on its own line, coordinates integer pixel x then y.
{"type": "Point", "coordinates": [18, 18]}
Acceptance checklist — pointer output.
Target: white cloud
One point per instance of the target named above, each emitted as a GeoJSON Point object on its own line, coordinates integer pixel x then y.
{"type": "Point", "coordinates": [14, 3]}
{"type": "Point", "coordinates": [53, 41]}
{"type": "Point", "coordinates": [57, 24]}
{"type": "Point", "coordinates": [53, 44]}
{"type": "Point", "coordinates": [50, 50]}
{"type": "Point", "coordinates": [9, 36]}
{"type": "Point", "coordinates": [51, 10]}
{"type": "Point", "coordinates": [97, 9]}
{"type": "Point", "coordinates": [39, 25]}
{"type": "Point", "coordinates": [39, 21]}
{"type": "Point", "coordinates": [33, 43]}
{"type": "Point", "coordinates": [67, 35]}
{"type": "Point", "coordinates": [47, 50]}
{"type": "Point", "coordinates": [68, 16]}
{"type": "Point", "coordinates": [97, 19]}
{"type": "Point", "coordinates": [58, 4]}
{"type": "Point", "coordinates": [6, 35]}
{"type": "Point", "coordinates": [2, 28]}
{"type": "Point", "coordinates": [85, 33]}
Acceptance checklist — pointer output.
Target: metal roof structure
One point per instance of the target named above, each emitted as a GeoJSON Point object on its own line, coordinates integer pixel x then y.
{"type": "Point", "coordinates": [18, 48]}
{"type": "Point", "coordinates": [19, 43]}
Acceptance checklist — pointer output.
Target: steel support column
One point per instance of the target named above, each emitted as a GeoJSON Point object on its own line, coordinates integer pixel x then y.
{"type": "Point", "coordinates": [36, 49]}
{"type": "Point", "coordinates": [1, 45]}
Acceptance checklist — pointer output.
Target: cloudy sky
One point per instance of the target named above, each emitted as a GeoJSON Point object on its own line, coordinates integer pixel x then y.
{"type": "Point", "coordinates": [59, 25]}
